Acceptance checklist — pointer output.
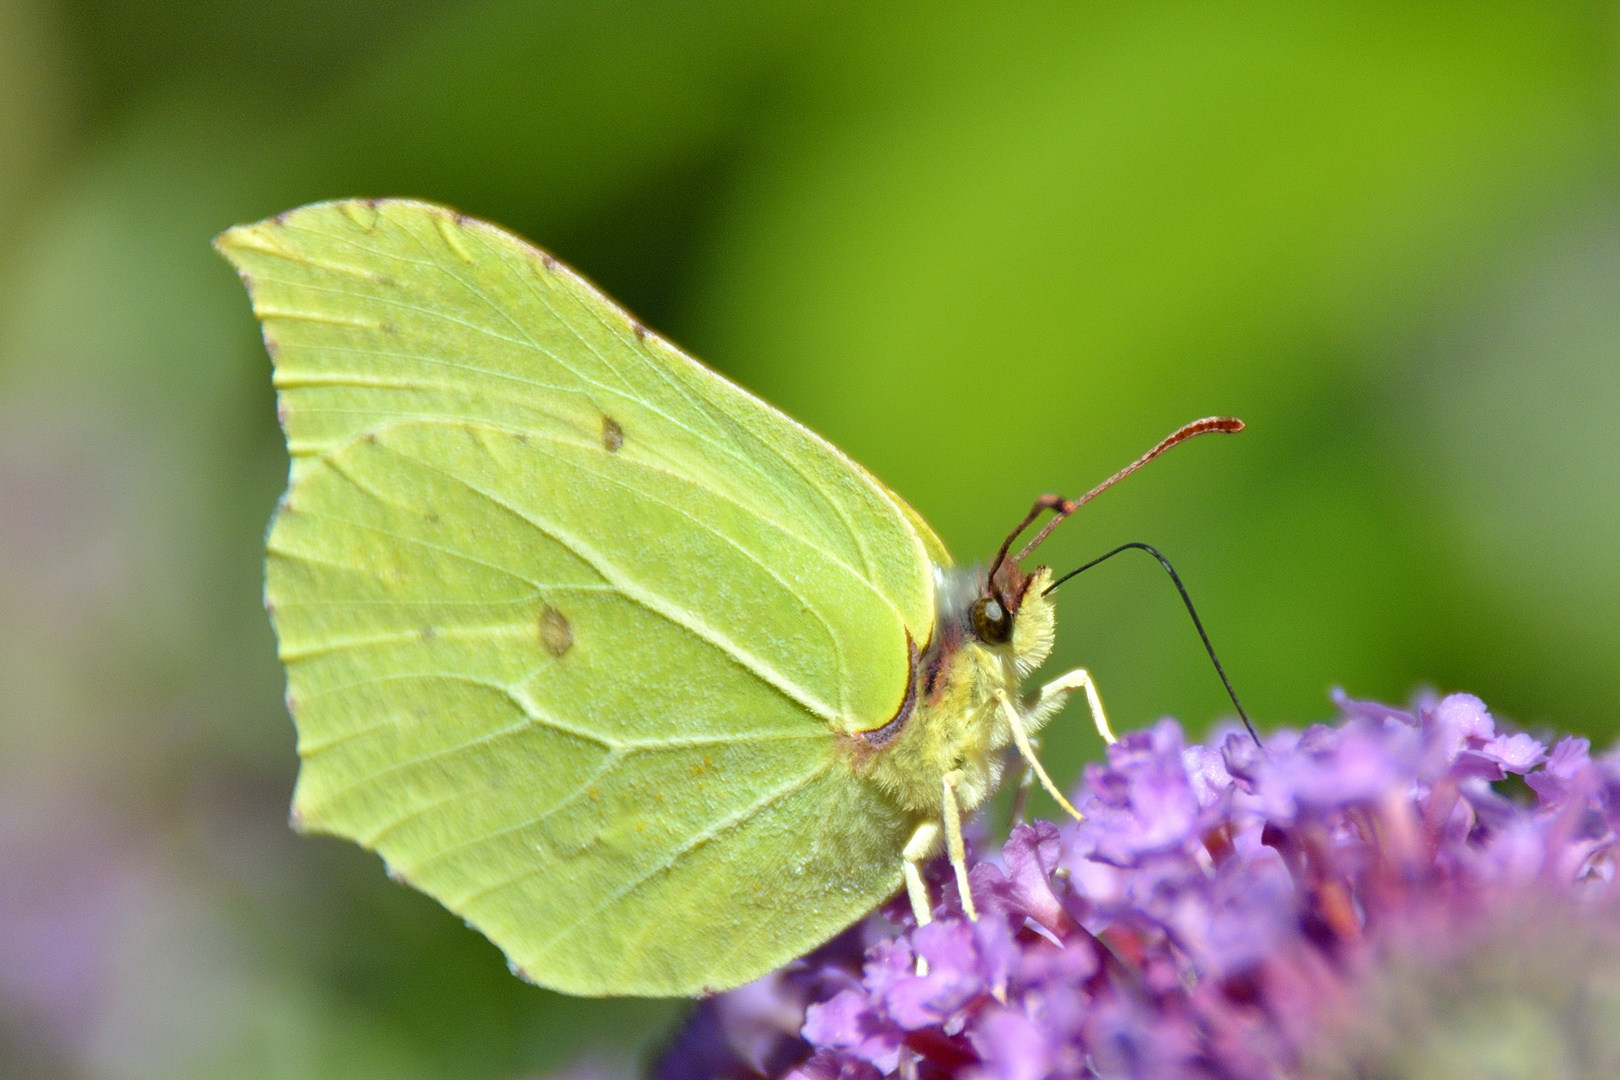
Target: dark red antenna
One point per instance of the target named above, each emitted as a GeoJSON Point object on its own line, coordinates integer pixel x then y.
{"type": "Point", "coordinates": [1064, 507]}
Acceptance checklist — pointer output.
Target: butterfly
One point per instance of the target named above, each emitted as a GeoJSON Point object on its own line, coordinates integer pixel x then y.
{"type": "Point", "coordinates": [645, 680]}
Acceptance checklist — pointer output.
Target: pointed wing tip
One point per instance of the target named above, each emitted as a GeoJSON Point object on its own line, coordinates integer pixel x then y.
{"type": "Point", "coordinates": [232, 241]}
{"type": "Point", "coordinates": [239, 242]}
{"type": "Point", "coordinates": [257, 235]}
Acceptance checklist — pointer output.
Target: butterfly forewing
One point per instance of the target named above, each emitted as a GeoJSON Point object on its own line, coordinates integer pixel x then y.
{"type": "Point", "coordinates": [571, 624]}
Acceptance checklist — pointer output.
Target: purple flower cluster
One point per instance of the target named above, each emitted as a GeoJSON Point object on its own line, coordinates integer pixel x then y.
{"type": "Point", "coordinates": [1400, 894]}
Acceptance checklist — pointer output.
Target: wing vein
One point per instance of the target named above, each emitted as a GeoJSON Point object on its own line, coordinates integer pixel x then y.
{"type": "Point", "coordinates": [447, 751]}
{"type": "Point", "coordinates": [702, 837]}
{"type": "Point", "coordinates": [698, 839]}
{"type": "Point", "coordinates": [652, 602]}
{"type": "Point", "coordinates": [624, 753]}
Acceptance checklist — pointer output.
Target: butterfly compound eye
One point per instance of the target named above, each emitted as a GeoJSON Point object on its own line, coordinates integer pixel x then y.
{"type": "Point", "coordinates": [991, 622]}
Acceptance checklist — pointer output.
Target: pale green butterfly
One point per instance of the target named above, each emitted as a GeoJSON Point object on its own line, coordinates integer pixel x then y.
{"type": "Point", "coordinates": [643, 679]}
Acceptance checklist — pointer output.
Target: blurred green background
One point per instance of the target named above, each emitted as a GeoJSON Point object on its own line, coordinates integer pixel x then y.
{"type": "Point", "coordinates": [990, 250]}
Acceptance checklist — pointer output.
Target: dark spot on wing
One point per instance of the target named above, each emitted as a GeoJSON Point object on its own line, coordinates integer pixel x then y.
{"type": "Point", "coordinates": [640, 331]}
{"type": "Point", "coordinates": [612, 435]}
{"type": "Point", "coordinates": [556, 636]}
{"type": "Point", "coordinates": [547, 261]}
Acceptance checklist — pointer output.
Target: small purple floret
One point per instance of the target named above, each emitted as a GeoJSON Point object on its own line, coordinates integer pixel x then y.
{"type": "Point", "coordinates": [1227, 910]}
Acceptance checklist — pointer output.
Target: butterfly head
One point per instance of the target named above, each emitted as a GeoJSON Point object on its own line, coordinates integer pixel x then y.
{"type": "Point", "coordinates": [1004, 620]}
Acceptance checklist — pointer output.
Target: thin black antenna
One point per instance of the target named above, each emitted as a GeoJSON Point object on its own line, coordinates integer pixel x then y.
{"type": "Point", "coordinates": [1185, 599]}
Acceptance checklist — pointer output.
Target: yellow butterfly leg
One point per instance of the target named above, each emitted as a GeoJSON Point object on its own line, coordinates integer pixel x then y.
{"type": "Point", "coordinates": [924, 841]}
{"type": "Point", "coordinates": [955, 846]}
{"type": "Point", "coordinates": [1054, 694]}
{"type": "Point", "coordinates": [1021, 737]}
{"type": "Point", "coordinates": [1020, 799]}
{"type": "Point", "coordinates": [919, 847]}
